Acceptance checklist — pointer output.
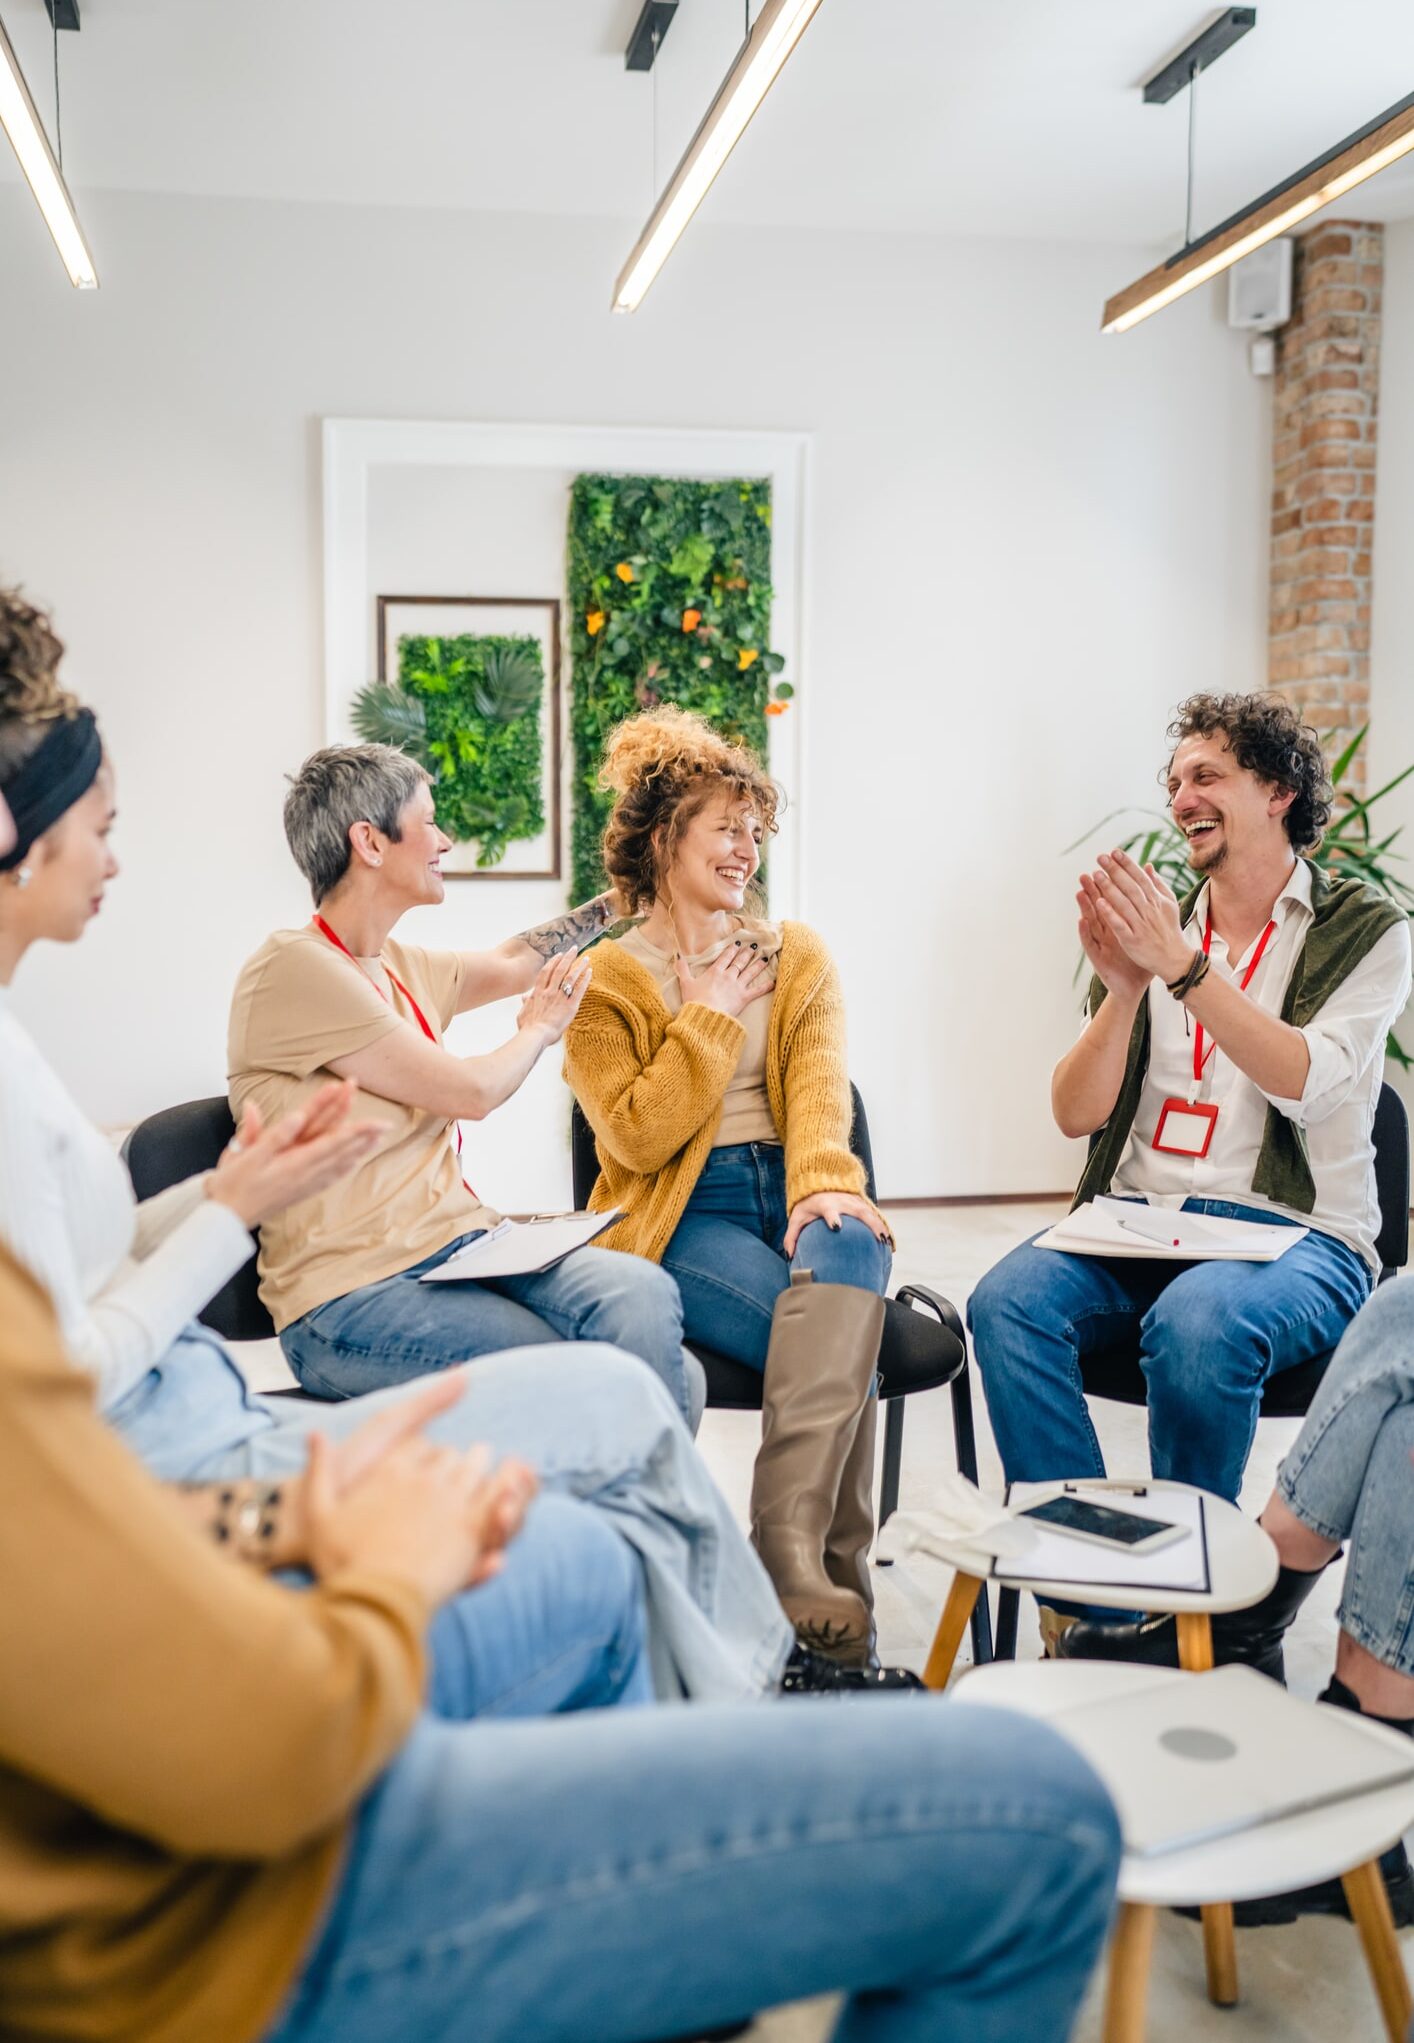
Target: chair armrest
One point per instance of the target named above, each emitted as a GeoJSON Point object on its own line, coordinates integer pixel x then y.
{"type": "Point", "coordinates": [942, 1309]}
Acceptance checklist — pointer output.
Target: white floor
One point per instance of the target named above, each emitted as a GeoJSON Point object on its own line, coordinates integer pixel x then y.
{"type": "Point", "coordinates": [1303, 1984]}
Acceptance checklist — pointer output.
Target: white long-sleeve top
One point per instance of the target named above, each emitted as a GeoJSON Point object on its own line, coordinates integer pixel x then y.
{"type": "Point", "coordinates": [125, 1278]}
{"type": "Point", "coordinates": [1336, 1110]}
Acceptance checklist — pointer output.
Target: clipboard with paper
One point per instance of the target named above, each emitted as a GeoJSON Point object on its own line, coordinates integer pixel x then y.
{"type": "Point", "coordinates": [515, 1247]}
{"type": "Point", "coordinates": [1048, 1556]}
{"type": "Point", "coordinates": [1132, 1227]}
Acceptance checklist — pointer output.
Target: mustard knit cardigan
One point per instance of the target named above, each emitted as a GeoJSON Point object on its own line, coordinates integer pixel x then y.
{"type": "Point", "coordinates": [651, 1085]}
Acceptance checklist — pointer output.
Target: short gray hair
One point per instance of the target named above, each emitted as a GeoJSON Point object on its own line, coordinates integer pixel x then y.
{"type": "Point", "coordinates": [333, 790]}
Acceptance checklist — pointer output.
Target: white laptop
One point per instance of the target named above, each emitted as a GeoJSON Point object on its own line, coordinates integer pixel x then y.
{"type": "Point", "coordinates": [1197, 1757]}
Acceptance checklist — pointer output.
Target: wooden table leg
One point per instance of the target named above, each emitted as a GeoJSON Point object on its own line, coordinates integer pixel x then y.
{"type": "Point", "coordinates": [1370, 1910]}
{"type": "Point", "coordinates": [1127, 1992]}
{"type": "Point", "coordinates": [1195, 1641]}
{"type": "Point", "coordinates": [957, 1611]}
{"type": "Point", "coordinates": [1195, 1654]}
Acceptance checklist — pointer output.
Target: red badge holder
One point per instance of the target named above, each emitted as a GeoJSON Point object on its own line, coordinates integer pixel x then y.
{"type": "Point", "coordinates": [1191, 1132]}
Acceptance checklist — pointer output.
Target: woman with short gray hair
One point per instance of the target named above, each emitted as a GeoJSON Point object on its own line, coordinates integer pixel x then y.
{"type": "Point", "coordinates": [341, 997]}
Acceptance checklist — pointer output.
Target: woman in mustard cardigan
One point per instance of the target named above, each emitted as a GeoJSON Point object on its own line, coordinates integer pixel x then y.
{"type": "Point", "coordinates": [709, 1059]}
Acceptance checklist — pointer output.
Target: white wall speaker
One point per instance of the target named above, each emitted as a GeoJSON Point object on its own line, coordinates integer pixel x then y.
{"type": "Point", "coordinates": [1259, 287]}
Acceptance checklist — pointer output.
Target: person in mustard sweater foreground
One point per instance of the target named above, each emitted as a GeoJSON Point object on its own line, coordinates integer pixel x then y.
{"type": "Point", "coordinates": [708, 1055]}
{"type": "Point", "coordinates": [226, 1817]}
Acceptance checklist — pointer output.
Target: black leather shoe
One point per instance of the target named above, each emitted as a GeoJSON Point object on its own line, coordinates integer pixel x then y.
{"type": "Point", "coordinates": [809, 1673]}
{"type": "Point", "coordinates": [1245, 1638]}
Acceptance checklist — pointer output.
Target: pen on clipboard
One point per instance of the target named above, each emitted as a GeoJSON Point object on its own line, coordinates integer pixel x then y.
{"type": "Point", "coordinates": [1163, 1240]}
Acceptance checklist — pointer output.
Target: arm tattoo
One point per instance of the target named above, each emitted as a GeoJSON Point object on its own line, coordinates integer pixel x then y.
{"type": "Point", "coordinates": [570, 932]}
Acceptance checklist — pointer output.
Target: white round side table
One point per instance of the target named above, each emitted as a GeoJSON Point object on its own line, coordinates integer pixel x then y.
{"type": "Point", "coordinates": [1343, 1841]}
{"type": "Point", "coordinates": [1242, 1566]}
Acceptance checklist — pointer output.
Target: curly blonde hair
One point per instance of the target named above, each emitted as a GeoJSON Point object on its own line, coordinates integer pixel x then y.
{"type": "Point", "coordinates": [663, 767]}
{"type": "Point", "coordinates": [30, 696]}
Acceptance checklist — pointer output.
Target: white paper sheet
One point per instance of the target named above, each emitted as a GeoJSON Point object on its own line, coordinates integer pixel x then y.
{"type": "Point", "coordinates": [517, 1246]}
{"type": "Point", "coordinates": [1129, 1227]}
{"type": "Point", "coordinates": [1049, 1556]}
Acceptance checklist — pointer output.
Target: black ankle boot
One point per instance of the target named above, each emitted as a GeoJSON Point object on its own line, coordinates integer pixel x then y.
{"type": "Point", "coordinates": [1246, 1638]}
{"type": "Point", "coordinates": [809, 1673]}
{"type": "Point", "coordinates": [1327, 1897]}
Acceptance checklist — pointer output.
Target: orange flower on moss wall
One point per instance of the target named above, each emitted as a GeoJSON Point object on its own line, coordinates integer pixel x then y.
{"type": "Point", "coordinates": [746, 657]}
{"type": "Point", "coordinates": [777, 708]}
{"type": "Point", "coordinates": [691, 619]}
{"type": "Point", "coordinates": [624, 571]}
{"type": "Point", "coordinates": [594, 623]}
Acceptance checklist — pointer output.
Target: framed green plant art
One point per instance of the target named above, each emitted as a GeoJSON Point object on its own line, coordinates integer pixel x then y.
{"type": "Point", "coordinates": [470, 687]}
{"type": "Point", "coordinates": [670, 601]}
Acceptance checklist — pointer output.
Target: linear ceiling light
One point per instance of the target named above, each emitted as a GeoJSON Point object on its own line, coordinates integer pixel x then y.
{"type": "Point", "coordinates": [21, 122]}
{"type": "Point", "coordinates": [778, 28]}
{"type": "Point", "coordinates": [1362, 155]}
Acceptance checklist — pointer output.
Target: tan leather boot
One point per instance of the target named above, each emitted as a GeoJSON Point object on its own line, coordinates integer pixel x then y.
{"type": "Point", "coordinates": [819, 1368]}
{"type": "Point", "coordinates": [852, 1528]}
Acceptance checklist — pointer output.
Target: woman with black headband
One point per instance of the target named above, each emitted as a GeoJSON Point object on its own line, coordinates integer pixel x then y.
{"type": "Point", "coordinates": [127, 1282]}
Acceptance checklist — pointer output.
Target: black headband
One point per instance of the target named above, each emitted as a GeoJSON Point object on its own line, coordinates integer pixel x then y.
{"type": "Point", "coordinates": [51, 780]}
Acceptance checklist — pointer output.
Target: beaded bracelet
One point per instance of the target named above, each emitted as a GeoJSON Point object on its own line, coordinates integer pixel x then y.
{"type": "Point", "coordinates": [247, 1522]}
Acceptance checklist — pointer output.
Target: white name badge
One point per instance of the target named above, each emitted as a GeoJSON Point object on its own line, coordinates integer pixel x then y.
{"type": "Point", "coordinates": [1185, 1127]}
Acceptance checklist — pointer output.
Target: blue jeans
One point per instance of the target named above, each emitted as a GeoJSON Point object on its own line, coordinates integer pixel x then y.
{"type": "Point", "coordinates": [727, 1251]}
{"type": "Point", "coordinates": [606, 1878]}
{"type": "Point", "coordinates": [391, 1332]}
{"type": "Point", "coordinates": [594, 1423]}
{"type": "Point", "coordinates": [1349, 1477]}
{"type": "Point", "coordinates": [1209, 1335]}
{"type": "Point", "coordinates": [560, 1627]}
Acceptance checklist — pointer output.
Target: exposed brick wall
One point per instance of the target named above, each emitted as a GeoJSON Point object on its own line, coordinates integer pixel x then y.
{"type": "Point", "coordinates": [1323, 460]}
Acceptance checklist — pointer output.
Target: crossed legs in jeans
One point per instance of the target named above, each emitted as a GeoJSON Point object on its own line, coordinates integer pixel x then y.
{"type": "Point", "coordinates": [597, 1427]}
{"type": "Point", "coordinates": [615, 1877]}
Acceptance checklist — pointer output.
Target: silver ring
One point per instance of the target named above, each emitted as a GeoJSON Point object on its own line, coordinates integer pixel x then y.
{"type": "Point", "coordinates": [567, 989]}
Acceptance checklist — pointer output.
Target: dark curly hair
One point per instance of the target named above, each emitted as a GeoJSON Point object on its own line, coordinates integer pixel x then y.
{"type": "Point", "coordinates": [1265, 735]}
{"type": "Point", "coordinates": [30, 696]}
{"type": "Point", "coordinates": [663, 767]}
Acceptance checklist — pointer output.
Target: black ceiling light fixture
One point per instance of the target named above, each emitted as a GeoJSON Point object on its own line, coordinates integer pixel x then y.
{"type": "Point", "coordinates": [647, 38]}
{"type": "Point", "coordinates": [1319, 183]}
{"type": "Point", "coordinates": [767, 42]}
{"type": "Point", "coordinates": [43, 170]}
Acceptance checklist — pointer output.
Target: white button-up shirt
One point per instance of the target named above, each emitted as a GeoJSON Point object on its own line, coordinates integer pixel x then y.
{"type": "Point", "coordinates": [1337, 1105]}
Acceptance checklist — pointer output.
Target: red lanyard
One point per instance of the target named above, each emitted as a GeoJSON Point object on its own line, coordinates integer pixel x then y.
{"type": "Point", "coordinates": [334, 938]}
{"type": "Point", "coordinates": [324, 930]}
{"type": "Point", "coordinates": [1200, 1055]}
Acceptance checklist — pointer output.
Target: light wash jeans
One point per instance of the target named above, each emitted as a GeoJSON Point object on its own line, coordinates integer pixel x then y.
{"type": "Point", "coordinates": [613, 1877]}
{"type": "Point", "coordinates": [393, 1331]}
{"type": "Point", "coordinates": [1349, 1475]}
{"type": "Point", "coordinates": [1210, 1334]}
{"type": "Point", "coordinates": [595, 1424]}
{"type": "Point", "coordinates": [727, 1254]}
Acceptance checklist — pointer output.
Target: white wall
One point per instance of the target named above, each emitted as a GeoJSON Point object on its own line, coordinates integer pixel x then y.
{"type": "Point", "coordinates": [1025, 543]}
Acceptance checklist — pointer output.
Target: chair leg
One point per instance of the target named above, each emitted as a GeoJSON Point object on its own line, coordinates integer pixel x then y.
{"type": "Point", "coordinates": [893, 1465]}
{"type": "Point", "coordinates": [1127, 1991]}
{"type": "Point", "coordinates": [1370, 1912]}
{"type": "Point", "coordinates": [962, 1600]}
{"type": "Point", "coordinates": [1008, 1611]}
{"type": "Point", "coordinates": [964, 1432]}
{"type": "Point", "coordinates": [1195, 1654]}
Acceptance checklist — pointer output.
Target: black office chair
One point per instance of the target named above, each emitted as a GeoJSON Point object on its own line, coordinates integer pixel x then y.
{"type": "Point", "coordinates": [920, 1350]}
{"type": "Point", "coordinates": [178, 1143]}
{"type": "Point", "coordinates": [1113, 1372]}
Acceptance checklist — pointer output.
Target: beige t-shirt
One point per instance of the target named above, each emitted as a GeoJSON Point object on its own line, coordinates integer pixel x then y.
{"type": "Point", "coordinates": [298, 1004]}
{"type": "Point", "coordinates": [746, 1108]}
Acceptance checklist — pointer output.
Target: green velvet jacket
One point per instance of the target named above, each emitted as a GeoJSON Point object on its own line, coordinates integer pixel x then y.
{"type": "Point", "coordinates": [1348, 920]}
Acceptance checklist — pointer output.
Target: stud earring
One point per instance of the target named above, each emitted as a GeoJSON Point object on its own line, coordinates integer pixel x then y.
{"type": "Point", "coordinates": [21, 876]}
